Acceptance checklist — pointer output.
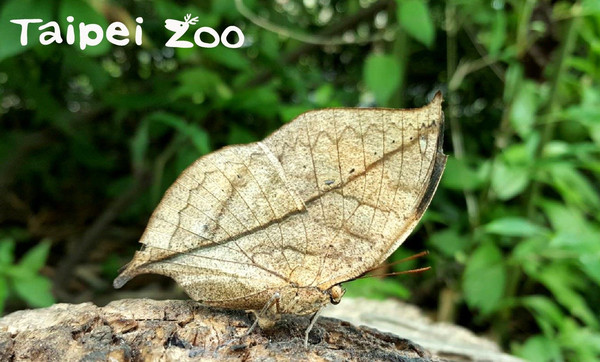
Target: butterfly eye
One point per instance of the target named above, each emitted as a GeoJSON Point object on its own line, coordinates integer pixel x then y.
{"type": "Point", "coordinates": [336, 293]}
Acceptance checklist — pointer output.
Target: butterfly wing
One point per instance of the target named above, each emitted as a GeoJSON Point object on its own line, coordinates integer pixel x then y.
{"type": "Point", "coordinates": [320, 201]}
{"type": "Point", "coordinates": [366, 177]}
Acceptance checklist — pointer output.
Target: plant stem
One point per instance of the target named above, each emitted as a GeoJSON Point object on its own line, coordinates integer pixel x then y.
{"type": "Point", "coordinates": [552, 106]}
{"type": "Point", "coordinates": [456, 132]}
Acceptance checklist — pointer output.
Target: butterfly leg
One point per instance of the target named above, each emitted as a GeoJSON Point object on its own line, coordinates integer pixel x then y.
{"type": "Point", "coordinates": [259, 316]}
{"type": "Point", "coordinates": [264, 312]}
{"type": "Point", "coordinates": [313, 320]}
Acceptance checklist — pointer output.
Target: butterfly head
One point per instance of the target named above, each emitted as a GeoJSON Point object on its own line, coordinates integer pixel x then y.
{"type": "Point", "coordinates": [336, 293]}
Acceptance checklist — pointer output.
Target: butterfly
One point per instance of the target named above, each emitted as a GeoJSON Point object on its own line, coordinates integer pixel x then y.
{"type": "Point", "coordinates": [278, 225]}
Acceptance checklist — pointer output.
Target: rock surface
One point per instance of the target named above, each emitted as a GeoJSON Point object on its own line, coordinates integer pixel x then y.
{"type": "Point", "coordinates": [442, 340]}
{"type": "Point", "coordinates": [144, 329]}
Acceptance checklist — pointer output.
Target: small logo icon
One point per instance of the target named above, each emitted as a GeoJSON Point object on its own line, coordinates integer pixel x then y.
{"type": "Point", "coordinates": [179, 28]}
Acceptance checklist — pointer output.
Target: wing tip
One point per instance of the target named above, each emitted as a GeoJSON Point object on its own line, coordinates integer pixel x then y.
{"type": "Point", "coordinates": [120, 281]}
{"type": "Point", "coordinates": [125, 275]}
{"type": "Point", "coordinates": [438, 98]}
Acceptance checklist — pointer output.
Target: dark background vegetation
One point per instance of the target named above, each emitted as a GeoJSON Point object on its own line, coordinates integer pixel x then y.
{"type": "Point", "coordinates": [89, 141]}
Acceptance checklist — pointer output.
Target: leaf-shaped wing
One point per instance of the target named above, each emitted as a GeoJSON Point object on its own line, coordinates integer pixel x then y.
{"type": "Point", "coordinates": [320, 201]}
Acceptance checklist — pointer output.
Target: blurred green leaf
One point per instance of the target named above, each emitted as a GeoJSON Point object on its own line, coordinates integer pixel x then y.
{"type": "Point", "coordinates": [3, 292]}
{"type": "Point", "coordinates": [414, 17]}
{"type": "Point", "coordinates": [498, 33]}
{"type": "Point", "coordinates": [197, 135]}
{"type": "Point", "coordinates": [514, 226]}
{"type": "Point", "coordinates": [539, 349]}
{"type": "Point", "coordinates": [35, 290]}
{"type": "Point", "coordinates": [449, 242]}
{"type": "Point", "coordinates": [201, 81]}
{"type": "Point", "coordinates": [548, 315]}
{"type": "Point", "coordinates": [82, 12]}
{"type": "Point", "coordinates": [574, 186]}
{"type": "Point", "coordinates": [35, 258]}
{"type": "Point", "coordinates": [514, 78]}
{"type": "Point", "coordinates": [459, 176]}
{"type": "Point", "coordinates": [583, 341]}
{"type": "Point", "coordinates": [261, 101]}
{"type": "Point", "coordinates": [10, 36]}
{"type": "Point", "coordinates": [240, 135]}
{"type": "Point", "coordinates": [7, 249]}
{"type": "Point", "coordinates": [231, 58]}
{"type": "Point", "coordinates": [288, 113]}
{"type": "Point", "coordinates": [508, 180]}
{"type": "Point", "coordinates": [524, 108]}
{"type": "Point", "coordinates": [376, 288]}
{"type": "Point", "coordinates": [484, 278]}
{"type": "Point", "coordinates": [323, 95]}
{"type": "Point", "coordinates": [561, 281]}
{"type": "Point", "coordinates": [382, 76]}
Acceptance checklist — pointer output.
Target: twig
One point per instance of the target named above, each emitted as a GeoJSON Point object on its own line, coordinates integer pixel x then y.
{"type": "Point", "coordinates": [91, 236]}
{"type": "Point", "coordinates": [456, 132]}
{"type": "Point", "coordinates": [294, 34]}
{"type": "Point", "coordinates": [551, 107]}
{"type": "Point", "coordinates": [337, 28]}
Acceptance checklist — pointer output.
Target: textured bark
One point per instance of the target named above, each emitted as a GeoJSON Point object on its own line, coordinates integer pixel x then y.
{"type": "Point", "coordinates": [143, 329]}
{"type": "Point", "coordinates": [174, 330]}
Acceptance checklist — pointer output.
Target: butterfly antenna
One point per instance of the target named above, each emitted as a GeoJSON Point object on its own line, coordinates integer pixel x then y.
{"type": "Point", "coordinates": [411, 271]}
{"type": "Point", "coordinates": [408, 258]}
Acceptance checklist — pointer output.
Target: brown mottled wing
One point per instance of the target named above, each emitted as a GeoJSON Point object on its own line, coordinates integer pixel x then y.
{"type": "Point", "coordinates": [321, 200]}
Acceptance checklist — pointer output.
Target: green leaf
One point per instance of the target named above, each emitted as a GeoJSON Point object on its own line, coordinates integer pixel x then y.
{"type": "Point", "coordinates": [82, 12]}
{"type": "Point", "coordinates": [498, 34]}
{"type": "Point", "coordinates": [288, 113]}
{"type": "Point", "coordinates": [584, 342]}
{"type": "Point", "coordinates": [514, 79]}
{"type": "Point", "coordinates": [199, 83]}
{"type": "Point", "coordinates": [231, 58]}
{"type": "Point", "coordinates": [508, 180]}
{"type": "Point", "coordinates": [449, 242]}
{"type": "Point", "coordinates": [415, 19]}
{"type": "Point", "coordinates": [35, 290]}
{"type": "Point", "coordinates": [574, 186]}
{"type": "Point", "coordinates": [548, 315]}
{"type": "Point", "coordinates": [197, 135]}
{"type": "Point", "coordinates": [459, 176]}
{"type": "Point", "coordinates": [3, 292]}
{"type": "Point", "coordinates": [35, 258]}
{"type": "Point", "coordinates": [569, 221]}
{"type": "Point", "coordinates": [539, 348]}
{"type": "Point", "coordinates": [323, 95]}
{"type": "Point", "coordinates": [262, 101]}
{"type": "Point", "coordinates": [375, 288]}
{"type": "Point", "coordinates": [484, 278]}
{"type": "Point", "coordinates": [10, 36]}
{"type": "Point", "coordinates": [514, 226]}
{"type": "Point", "coordinates": [561, 280]}
{"type": "Point", "coordinates": [524, 108]}
{"type": "Point", "coordinates": [382, 75]}
{"type": "Point", "coordinates": [240, 135]}
{"type": "Point", "coordinates": [7, 250]}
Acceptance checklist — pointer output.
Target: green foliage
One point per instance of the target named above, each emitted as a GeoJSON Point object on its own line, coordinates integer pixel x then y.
{"type": "Point", "coordinates": [23, 278]}
{"type": "Point", "coordinates": [382, 76]}
{"type": "Point", "coordinates": [513, 229]}
{"type": "Point", "coordinates": [414, 18]}
{"type": "Point", "coordinates": [374, 288]}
